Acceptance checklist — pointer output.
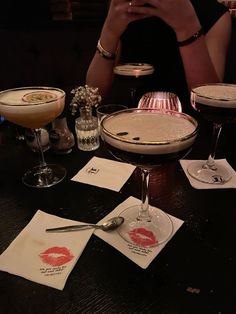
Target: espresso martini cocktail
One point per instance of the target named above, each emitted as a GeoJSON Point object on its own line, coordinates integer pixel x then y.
{"type": "Point", "coordinates": [146, 139]}
{"type": "Point", "coordinates": [137, 72]}
{"type": "Point", "coordinates": [216, 102]}
{"type": "Point", "coordinates": [35, 107]}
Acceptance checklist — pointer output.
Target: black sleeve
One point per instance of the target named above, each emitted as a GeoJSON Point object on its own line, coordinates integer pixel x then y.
{"type": "Point", "coordinates": [209, 12]}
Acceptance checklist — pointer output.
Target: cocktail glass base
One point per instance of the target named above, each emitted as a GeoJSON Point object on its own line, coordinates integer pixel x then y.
{"type": "Point", "coordinates": [44, 176]}
{"type": "Point", "coordinates": [153, 232]}
{"type": "Point", "coordinates": [199, 171]}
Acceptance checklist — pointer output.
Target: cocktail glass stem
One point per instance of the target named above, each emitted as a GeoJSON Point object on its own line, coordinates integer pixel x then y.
{"type": "Point", "coordinates": [43, 175]}
{"type": "Point", "coordinates": [44, 172]}
{"type": "Point", "coordinates": [37, 133]}
{"type": "Point", "coordinates": [210, 171]}
{"type": "Point", "coordinates": [19, 133]}
{"type": "Point", "coordinates": [210, 163]}
{"type": "Point", "coordinates": [144, 212]}
{"type": "Point", "coordinates": [133, 91]}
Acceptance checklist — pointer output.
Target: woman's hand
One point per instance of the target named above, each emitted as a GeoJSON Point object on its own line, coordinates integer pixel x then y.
{"type": "Point", "coordinates": [100, 72]}
{"type": "Point", "coordinates": [180, 15]}
{"type": "Point", "coordinates": [119, 17]}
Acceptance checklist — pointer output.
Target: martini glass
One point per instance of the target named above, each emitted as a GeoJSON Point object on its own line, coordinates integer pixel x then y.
{"type": "Point", "coordinates": [147, 138]}
{"type": "Point", "coordinates": [216, 103]}
{"type": "Point", "coordinates": [135, 70]}
{"type": "Point", "coordinates": [33, 108]}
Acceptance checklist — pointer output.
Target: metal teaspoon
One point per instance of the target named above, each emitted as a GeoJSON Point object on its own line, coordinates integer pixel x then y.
{"type": "Point", "coordinates": [110, 224]}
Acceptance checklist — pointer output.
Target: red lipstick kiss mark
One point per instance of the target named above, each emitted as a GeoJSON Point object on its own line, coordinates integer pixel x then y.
{"type": "Point", "coordinates": [142, 237]}
{"type": "Point", "coordinates": [56, 256]}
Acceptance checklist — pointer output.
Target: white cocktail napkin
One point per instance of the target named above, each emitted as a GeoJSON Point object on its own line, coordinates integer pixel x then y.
{"type": "Point", "coordinates": [105, 173]}
{"type": "Point", "coordinates": [231, 184]}
{"type": "Point", "coordinates": [141, 256]}
{"type": "Point", "coordinates": [45, 258]}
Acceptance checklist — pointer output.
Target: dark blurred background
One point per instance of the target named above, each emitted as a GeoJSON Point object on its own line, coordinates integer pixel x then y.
{"type": "Point", "coordinates": [44, 10]}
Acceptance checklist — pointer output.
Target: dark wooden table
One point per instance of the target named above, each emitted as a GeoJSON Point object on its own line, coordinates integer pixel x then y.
{"type": "Point", "coordinates": [194, 273]}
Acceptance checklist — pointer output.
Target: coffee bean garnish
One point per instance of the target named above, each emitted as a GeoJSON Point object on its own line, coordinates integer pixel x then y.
{"type": "Point", "coordinates": [122, 133]}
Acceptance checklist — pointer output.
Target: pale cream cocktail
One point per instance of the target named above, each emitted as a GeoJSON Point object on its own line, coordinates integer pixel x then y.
{"type": "Point", "coordinates": [32, 107]}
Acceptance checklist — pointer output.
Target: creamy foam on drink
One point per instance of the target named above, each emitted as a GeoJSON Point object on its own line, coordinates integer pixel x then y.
{"type": "Point", "coordinates": [218, 95]}
{"type": "Point", "coordinates": [140, 132]}
{"type": "Point", "coordinates": [134, 69]}
{"type": "Point", "coordinates": [19, 97]}
{"type": "Point", "coordinates": [31, 107]}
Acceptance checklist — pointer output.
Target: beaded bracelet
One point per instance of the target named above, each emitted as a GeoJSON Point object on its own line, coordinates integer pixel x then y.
{"type": "Point", "coordinates": [104, 53]}
{"type": "Point", "coordinates": [191, 39]}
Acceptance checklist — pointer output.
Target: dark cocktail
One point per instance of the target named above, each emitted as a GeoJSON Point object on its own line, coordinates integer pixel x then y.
{"type": "Point", "coordinates": [146, 139]}
{"type": "Point", "coordinates": [135, 71]}
{"type": "Point", "coordinates": [216, 103]}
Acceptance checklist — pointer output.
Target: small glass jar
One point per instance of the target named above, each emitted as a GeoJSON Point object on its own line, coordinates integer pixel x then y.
{"type": "Point", "coordinates": [61, 138]}
{"type": "Point", "coordinates": [87, 131]}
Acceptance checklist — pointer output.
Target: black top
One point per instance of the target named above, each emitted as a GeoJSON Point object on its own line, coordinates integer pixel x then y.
{"type": "Point", "coordinates": [153, 41]}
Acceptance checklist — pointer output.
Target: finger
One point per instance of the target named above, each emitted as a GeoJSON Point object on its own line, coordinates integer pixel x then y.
{"type": "Point", "coordinates": [121, 7]}
{"type": "Point", "coordinates": [141, 10]}
{"type": "Point", "coordinates": [136, 17]}
{"type": "Point", "coordinates": [139, 3]}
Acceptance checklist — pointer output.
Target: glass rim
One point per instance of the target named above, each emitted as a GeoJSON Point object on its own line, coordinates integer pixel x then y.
{"type": "Point", "coordinates": [151, 95]}
{"type": "Point", "coordinates": [199, 94]}
{"type": "Point", "coordinates": [43, 88]}
{"type": "Point", "coordinates": [152, 111]}
{"type": "Point", "coordinates": [135, 68]}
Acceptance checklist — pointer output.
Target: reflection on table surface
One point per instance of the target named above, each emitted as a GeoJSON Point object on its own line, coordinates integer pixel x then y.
{"type": "Point", "coordinates": [192, 274]}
